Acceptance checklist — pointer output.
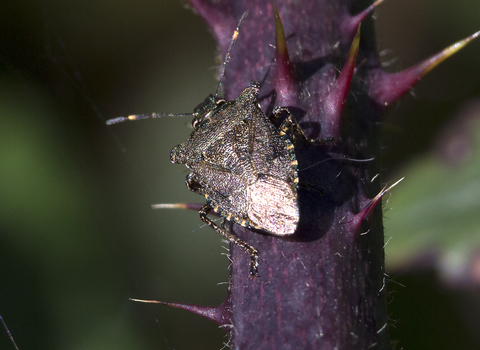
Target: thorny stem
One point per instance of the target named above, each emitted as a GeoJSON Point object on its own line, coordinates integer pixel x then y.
{"type": "Point", "coordinates": [323, 287]}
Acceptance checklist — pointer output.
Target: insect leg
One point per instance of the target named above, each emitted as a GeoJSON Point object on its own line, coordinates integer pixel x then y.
{"type": "Point", "coordinates": [231, 238]}
{"type": "Point", "coordinates": [290, 124]}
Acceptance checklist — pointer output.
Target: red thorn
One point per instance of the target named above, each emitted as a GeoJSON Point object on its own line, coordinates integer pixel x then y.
{"type": "Point", "coordinates": [366, 212]}
{"type": "Point", "coordinates": [283, 71]}
{"type": "Point", "coordinates": [189, 206]}
{"type": "Point", "coordinates": [337, 96]}
{"type": "Point", "coordinates": [387, 88]}
{"type": "Point", "coordinates": [219, 314]}
{"type": "Point", "coordinates": [351, 24]}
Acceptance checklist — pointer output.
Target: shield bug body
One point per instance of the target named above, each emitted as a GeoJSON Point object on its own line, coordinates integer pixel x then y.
{"type": "Point", "coordinates": [244, 166]}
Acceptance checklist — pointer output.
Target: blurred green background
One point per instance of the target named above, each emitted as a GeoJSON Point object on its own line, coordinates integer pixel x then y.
{"type": "Point", "coordinates": [77, 236]}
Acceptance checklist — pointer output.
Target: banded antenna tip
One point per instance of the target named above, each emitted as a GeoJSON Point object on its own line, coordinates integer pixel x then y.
{"type": "Point", "coordinates": [116, 120]}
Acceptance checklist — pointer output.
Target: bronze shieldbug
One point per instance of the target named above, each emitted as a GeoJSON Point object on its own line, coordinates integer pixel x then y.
{"type": "Point", "coordinates": [244, 166]}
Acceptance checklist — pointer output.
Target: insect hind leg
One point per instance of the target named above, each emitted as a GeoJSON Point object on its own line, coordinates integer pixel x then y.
{"type": "Point", "coordinates": [231, 238]}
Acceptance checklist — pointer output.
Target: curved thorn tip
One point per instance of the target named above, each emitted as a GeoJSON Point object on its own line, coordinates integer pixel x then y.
{"type": "Point", "coordinates": [427, 65]}
{"type": "Point", "coordinates": [374, 201]}
{"type": "Point", "coordinates": [218, 314]}
{"type": "Point", "coordinates": [353, 22]}
{"type": "Point", "coordinates": [335, 101]}
{"type": "Point", "coordinates": [283, 80]}
{"type": "Point", "coordinates": [280, 41]}
{"type": "Point", "coordinates": [352, 53]}
{"type": "Point", "coordinates": [191, 206]}
{"type": "Point", "coordinates": [387, 88]}
{"type": "Point", "coordinates": [169, 206]}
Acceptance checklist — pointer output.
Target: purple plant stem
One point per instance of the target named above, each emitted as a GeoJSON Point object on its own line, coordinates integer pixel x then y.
{"type": "Point", "coordinates": [323, 288]}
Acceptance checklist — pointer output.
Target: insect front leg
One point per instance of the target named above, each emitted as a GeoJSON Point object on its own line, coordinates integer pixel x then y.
{"type": "Point", "coordinates": [232, 238]}
{"type": "Point", "coordinates": [291, 125]}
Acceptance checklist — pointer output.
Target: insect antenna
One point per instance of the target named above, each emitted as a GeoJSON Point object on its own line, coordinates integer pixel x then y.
{"type": "Point", "coordinates": [227, 56]}
{"type": "Point", "coordinates": [161, 115]}
{"type": "Point", "coordinates": [147, 116]}
{"type": "Point", "coordinates": [8, 332]}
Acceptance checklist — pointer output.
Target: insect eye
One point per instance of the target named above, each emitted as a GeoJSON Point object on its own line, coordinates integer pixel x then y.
{"type": "Point", "coordinates": [194, 123]}
{"type": "Point", "coordinates": [220, 101]}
